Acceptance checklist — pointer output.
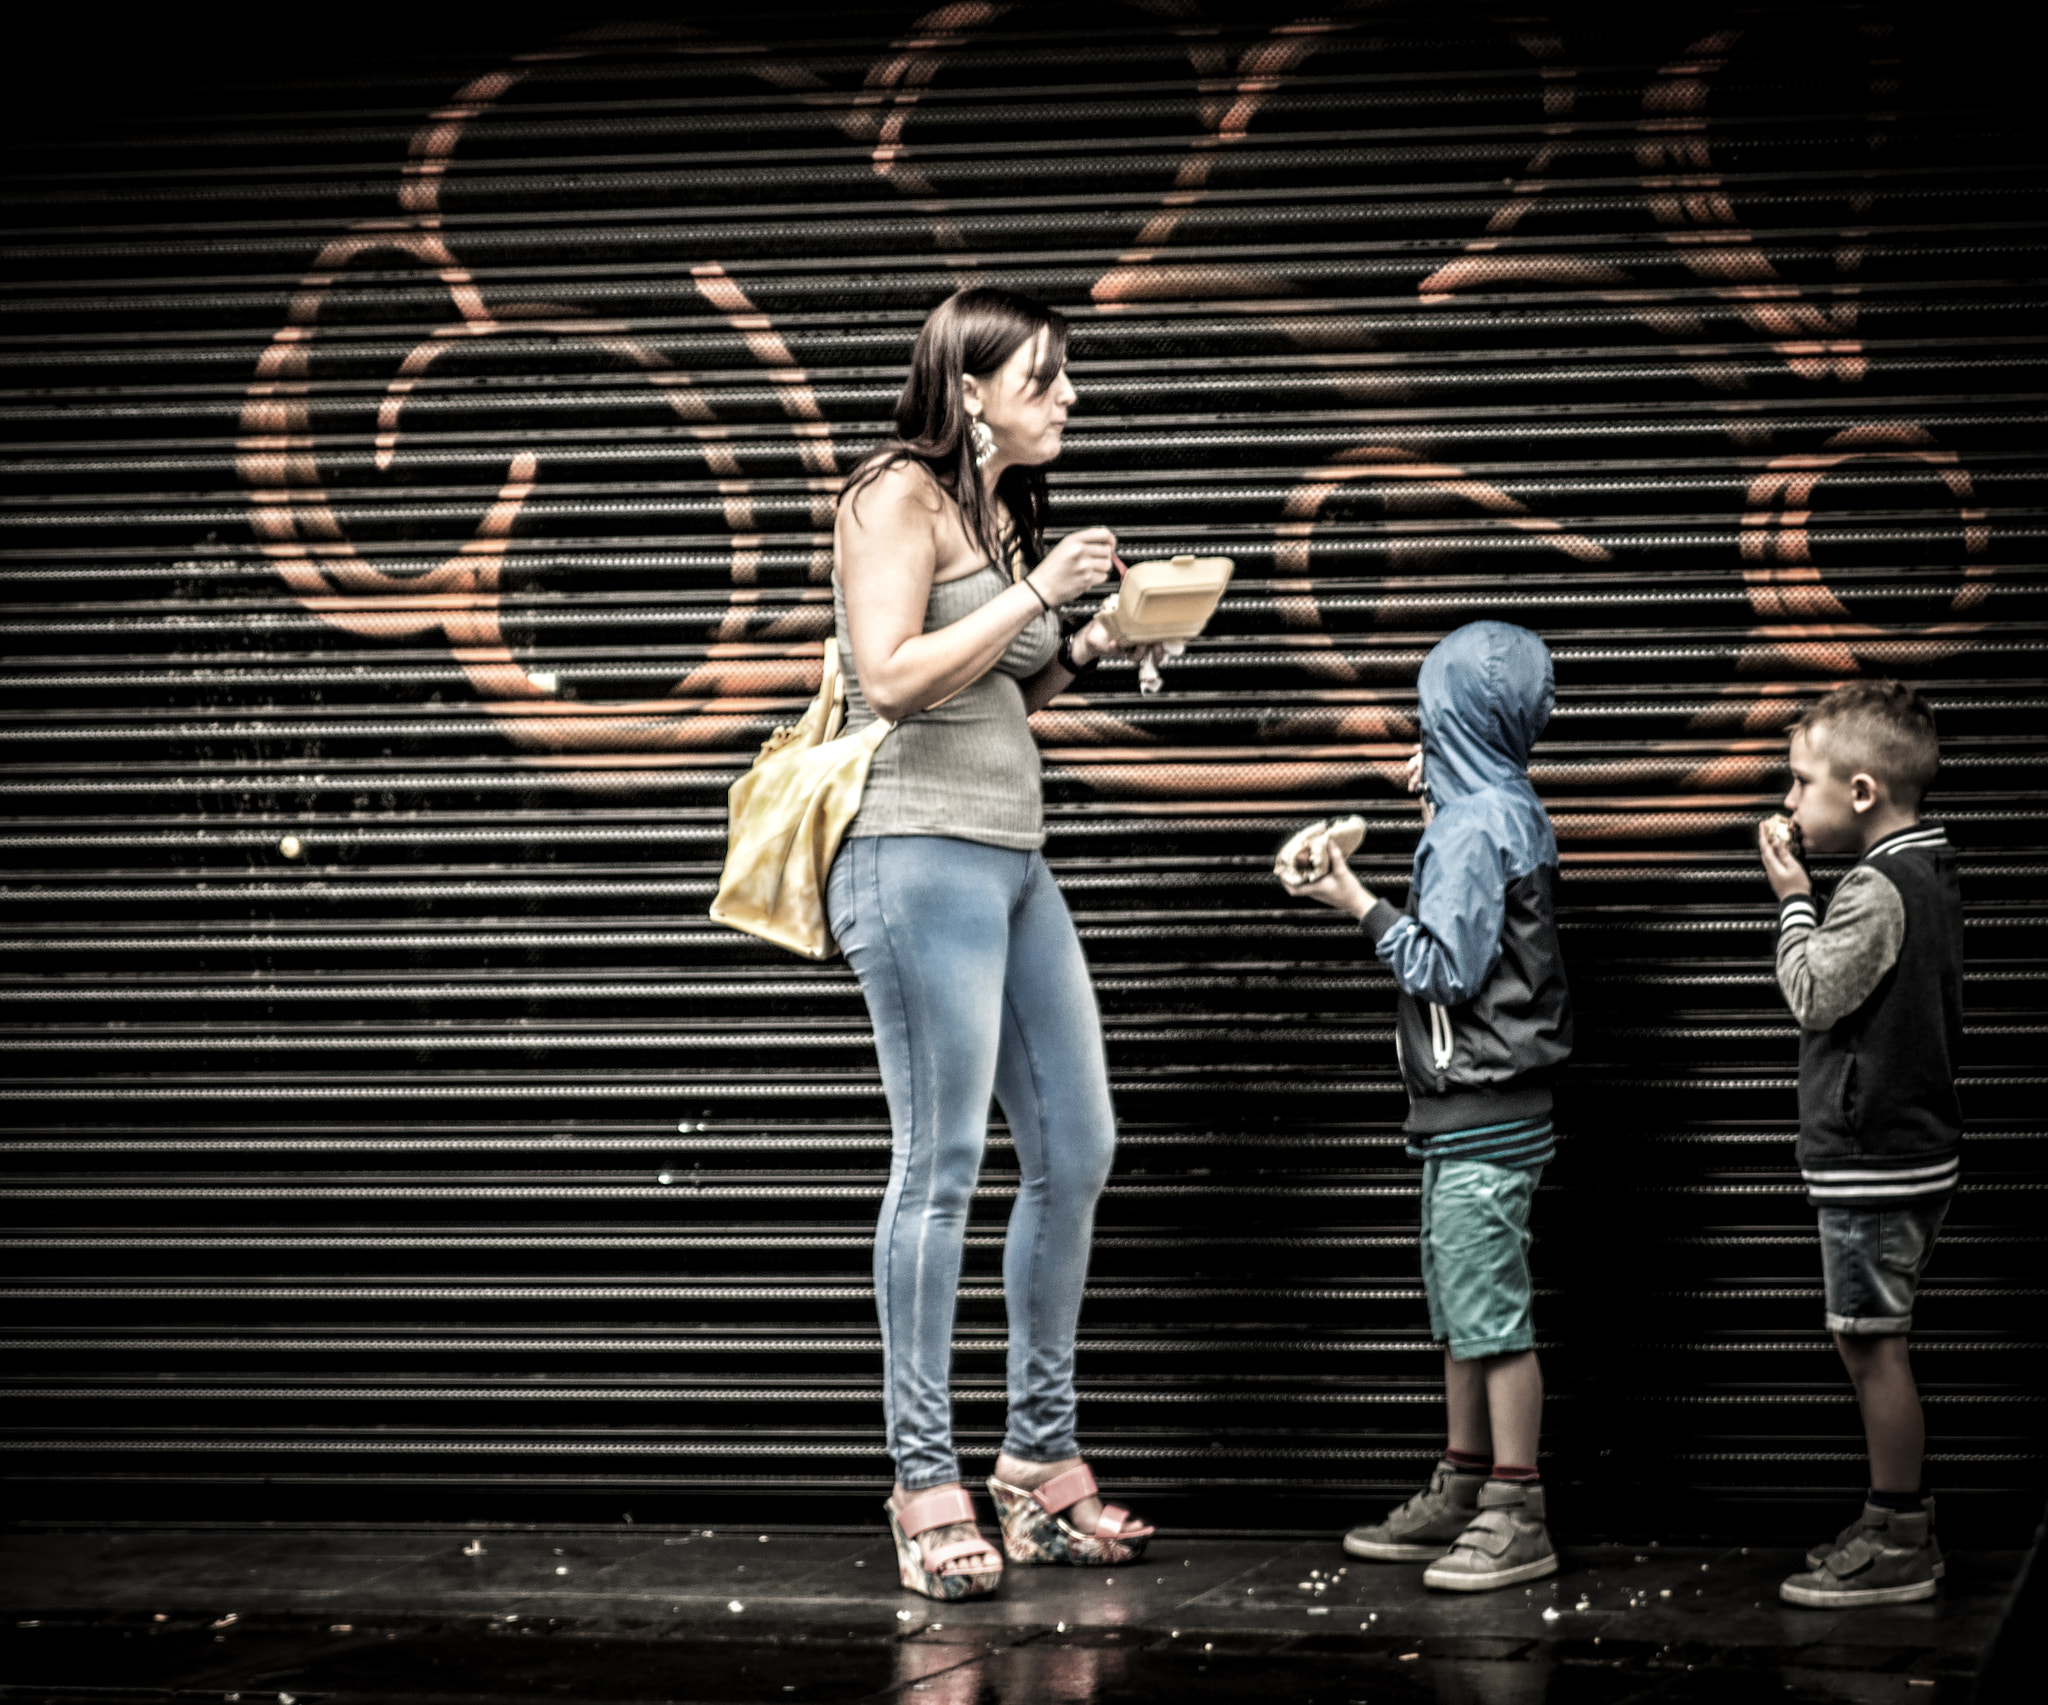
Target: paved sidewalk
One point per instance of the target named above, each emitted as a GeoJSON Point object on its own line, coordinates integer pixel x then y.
{"type": "Point", "coordinates": [481, 1614]}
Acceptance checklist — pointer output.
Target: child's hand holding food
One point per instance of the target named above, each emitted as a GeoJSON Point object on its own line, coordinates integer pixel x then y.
{"type": "Point", "coordinates": [1777, 838]}
{"type": "Point", "coordinates": [1314, 864]}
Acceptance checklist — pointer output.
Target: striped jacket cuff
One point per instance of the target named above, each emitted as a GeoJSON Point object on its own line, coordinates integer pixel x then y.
{"type": "Point", "coordinates": [1798, 911]}
{"type": "Point", "coordinates": [1881, 1183]}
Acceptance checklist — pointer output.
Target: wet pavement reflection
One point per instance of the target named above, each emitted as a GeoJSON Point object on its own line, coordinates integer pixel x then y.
{"type": "Point", "coordinates": [480, 1615]}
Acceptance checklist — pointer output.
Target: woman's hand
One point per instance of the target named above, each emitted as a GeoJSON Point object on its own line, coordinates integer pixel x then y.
{"type": "Point", "coordinates": [1091, 644]}
{"type": "Point", "coordinates": [1077, 564]}
{"type": "Point", "coordinates": [1095, 641]}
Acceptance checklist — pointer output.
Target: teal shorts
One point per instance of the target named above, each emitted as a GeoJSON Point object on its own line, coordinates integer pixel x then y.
{"type": "Point", "coordinates": [1475, 1256]}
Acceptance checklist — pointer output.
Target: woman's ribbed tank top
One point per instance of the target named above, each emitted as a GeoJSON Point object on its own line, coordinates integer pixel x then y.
{"type": "Point", "coordinates": [967, 768]}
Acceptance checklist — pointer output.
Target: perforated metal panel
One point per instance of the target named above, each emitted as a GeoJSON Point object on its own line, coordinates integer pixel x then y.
{"type": "Point", "coordinates": [418, 482]}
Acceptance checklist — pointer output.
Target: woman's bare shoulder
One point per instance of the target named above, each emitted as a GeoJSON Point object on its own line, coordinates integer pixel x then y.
{"type": "Point", "coordinates": [904, 493]}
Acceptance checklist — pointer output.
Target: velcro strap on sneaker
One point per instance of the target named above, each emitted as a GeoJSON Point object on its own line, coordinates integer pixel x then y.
{"type": "Point", "coordinates": [940, 1507]}
{"type": "Point", "coordinates": [1856, 1556]}
{"type": "Point", "coordinates": [1066, 1489]}
{"type": "Point", "coordinates": [1491, 1534]}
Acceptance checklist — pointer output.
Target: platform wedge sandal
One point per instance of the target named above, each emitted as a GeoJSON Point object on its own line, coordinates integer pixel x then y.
{"type": "Point", "coordinates": [1034, 1531]}
{"type": "Point", "coordinates": [942, 1570]}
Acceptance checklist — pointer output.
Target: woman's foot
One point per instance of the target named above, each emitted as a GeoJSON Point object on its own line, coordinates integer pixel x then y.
{"type": "Point", "coordinates": [1052, 1513]}
{"type": "Point", "coordinates": [953, 1557]}
{"type": "Point", "coordinates": [1014, 1471]}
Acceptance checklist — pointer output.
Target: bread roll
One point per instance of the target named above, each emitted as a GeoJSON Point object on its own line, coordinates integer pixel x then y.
{"type": "Point", "coordinates": [1310, 854]}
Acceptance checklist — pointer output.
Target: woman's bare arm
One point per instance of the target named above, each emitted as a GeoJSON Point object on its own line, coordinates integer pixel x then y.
{"type": "Point", "coordinates": [889, 540]}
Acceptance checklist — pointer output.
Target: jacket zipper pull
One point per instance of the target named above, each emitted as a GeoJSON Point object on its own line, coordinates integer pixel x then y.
{"type": "Point", "coordinates": [1441, 1042]}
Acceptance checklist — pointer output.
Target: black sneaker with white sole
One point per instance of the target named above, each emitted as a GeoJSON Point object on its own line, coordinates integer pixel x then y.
{"type": "Point", "coordinates": [1893, 1561]}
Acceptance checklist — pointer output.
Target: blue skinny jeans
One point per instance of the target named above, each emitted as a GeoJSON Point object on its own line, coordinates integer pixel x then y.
{"type": "Point", "coordinates": [976, 984]}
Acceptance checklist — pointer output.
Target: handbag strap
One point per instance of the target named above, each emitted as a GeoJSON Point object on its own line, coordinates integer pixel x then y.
{"type": "Point", "coordinates": [832, 695]}
{"type": "Point", "coordinates": [832, 682]}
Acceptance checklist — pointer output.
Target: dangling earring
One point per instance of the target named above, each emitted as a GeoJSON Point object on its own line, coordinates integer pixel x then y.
{"type": "Point", "coordinates": [982, 442]}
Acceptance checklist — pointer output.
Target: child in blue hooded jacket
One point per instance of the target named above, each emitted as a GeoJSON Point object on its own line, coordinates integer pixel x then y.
{"type": "Point", "coordinates": [1484, 1021]}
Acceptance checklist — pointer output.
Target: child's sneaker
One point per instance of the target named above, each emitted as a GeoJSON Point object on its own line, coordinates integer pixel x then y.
{"type": "Point", "coordinates": [1505, 1544]}
{"type": "Point", "coordinates": [1888, 1557]}
{"type": "Point", "coordinates": [1421, 1529]}
{"type": "Point", "coordinates": [1870, 1521]}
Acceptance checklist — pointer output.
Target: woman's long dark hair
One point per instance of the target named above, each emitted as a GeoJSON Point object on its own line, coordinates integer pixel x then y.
{"type": "Point", "coordinates": [972, 331]}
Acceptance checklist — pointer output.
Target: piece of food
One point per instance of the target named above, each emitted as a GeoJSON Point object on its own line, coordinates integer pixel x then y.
{"type": "Point", "coordinates": [1310, 854]}
{"type": "Point", "coordinates": [1782, 831]}
{"type": "Point", "coordinates": [1305, 857]}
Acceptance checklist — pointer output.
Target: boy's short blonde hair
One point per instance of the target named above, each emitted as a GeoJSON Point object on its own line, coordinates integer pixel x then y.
{"type": "Point", "coordinates": [1878, 728]}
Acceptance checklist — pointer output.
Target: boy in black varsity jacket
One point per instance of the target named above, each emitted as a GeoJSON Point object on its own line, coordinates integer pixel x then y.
{"type": "Point", "coordinates": [1876, 984]}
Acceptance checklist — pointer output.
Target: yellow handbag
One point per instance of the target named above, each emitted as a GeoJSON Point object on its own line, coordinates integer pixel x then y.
{"type": "Point", "coordinates": [788, 815]}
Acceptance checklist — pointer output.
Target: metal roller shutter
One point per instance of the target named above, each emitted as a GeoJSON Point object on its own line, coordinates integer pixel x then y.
{"type": "Point", "coordinates": [418, 476]}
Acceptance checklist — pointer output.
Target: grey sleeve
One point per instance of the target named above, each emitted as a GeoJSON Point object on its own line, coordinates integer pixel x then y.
{"type": "Point", "coordinates": [1829, 968]}
{"type": "Point", "coordinates": [1380, 918]}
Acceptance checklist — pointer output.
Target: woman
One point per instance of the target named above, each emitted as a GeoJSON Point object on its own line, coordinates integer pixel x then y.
{"type": "Point", "coordinates": [945, 600]}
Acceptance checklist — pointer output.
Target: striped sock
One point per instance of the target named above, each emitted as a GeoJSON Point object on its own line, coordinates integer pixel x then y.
{"type": "Point", "coordinates": [1468, 1461]}
{"type": "Point", "coordinates": [1514, 1474]}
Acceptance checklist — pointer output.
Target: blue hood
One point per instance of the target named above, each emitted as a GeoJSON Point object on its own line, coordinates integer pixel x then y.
{"type": "Point", "coordinates": [1486, 693]}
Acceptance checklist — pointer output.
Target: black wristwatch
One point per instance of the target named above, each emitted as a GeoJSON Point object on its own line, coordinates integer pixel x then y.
{"type": "Point", "coordinates": [1065, 655]}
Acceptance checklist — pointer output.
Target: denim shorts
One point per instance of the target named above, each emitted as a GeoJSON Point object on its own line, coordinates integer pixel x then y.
{"type": "Point", "coordinates": [1872, 1259]}
{"type": "Point", "coordinates": [1475, 1256]}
